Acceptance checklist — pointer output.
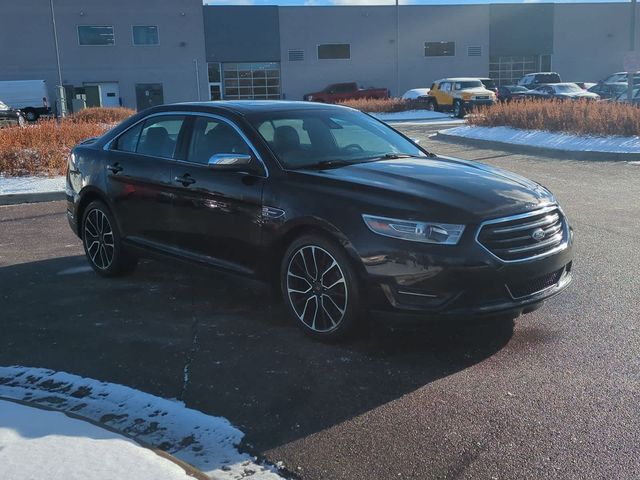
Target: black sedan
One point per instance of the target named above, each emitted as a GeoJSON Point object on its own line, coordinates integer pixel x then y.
{"type": "Point", "coordinates": [341, 213]}
{"type": "Point", "coordinates": [561, 91]}
{"type": "Point", "coordinates": [508, 93]}
{"type": "Point", "coordinates": [10, 117]}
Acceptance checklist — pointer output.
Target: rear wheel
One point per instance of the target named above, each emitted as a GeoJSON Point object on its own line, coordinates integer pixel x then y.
{"type": "Point", "coordinates": [31, 115]}
{"type": "Point", "coordinates": [103, 243]}
{"type": "Point", "coordinates": [320, 288]}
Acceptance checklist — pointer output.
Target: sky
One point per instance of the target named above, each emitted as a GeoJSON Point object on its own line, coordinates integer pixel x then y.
{"type": "Point", "coordinates": [388, 2]}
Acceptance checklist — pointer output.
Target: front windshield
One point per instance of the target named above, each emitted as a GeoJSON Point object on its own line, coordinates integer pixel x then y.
{"type": "Point", "coordinates": [313, 137]}
{"type": "Point", "coordinates": [567, 88]}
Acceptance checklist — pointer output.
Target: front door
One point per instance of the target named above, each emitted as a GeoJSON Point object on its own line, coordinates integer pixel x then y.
{"type": "Point", "coordinates": [138, 171]}
{"type": "Point", "coordinates": [217, 213]}
{"type": "Point", "coordinates": [108, 93]}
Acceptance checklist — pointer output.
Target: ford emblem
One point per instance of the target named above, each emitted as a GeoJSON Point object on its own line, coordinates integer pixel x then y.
{"type": "Point", "coordinates": [538, 234]}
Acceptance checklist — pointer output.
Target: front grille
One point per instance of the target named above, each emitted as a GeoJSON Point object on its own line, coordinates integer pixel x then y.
{"type": "Point", "coordinates": [523, 237]}
{"type": "Point", "coordinates": [529, 287]}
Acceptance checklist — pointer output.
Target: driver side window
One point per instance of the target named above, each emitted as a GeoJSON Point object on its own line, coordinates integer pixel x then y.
{"type": "Point", "coordinates": [211, 136]}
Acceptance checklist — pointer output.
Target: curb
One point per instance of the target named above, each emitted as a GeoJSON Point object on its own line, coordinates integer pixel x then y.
{"type": "Point", "coordinates": [545, 151]}
{"type": "Point", "coordinates": [16, 198]}
{"type": "Point", "coordinates": [190, 470]}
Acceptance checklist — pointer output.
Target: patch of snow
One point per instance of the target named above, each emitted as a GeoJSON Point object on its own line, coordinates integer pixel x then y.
{"type": "Point", "coordinates": [35, 443]}
{"type": "Point", "coordinates": [206, 442]}
{"type": "Point", "coordinates": [410, 115]}
{"type": "Point", "coordinates": [74, 270]}
{"type": "Point", "coordinates": [559, 141]}
{"type": "Point", "coordinates": [13, 185]}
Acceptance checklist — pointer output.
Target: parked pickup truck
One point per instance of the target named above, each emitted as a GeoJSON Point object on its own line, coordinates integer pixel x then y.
{"type": "Point", "coordinates": [339, 92]}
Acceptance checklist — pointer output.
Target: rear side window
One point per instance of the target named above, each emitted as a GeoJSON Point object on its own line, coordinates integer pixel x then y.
{"type": "Point", "coordinates": [159, 136]}
{"type": "Point", "coordinates": [211, 136]}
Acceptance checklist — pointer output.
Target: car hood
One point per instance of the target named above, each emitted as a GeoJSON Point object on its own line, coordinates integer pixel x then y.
{"type": "Point", "coordinates": [477, 91]}
{"type": "Point", "coordinates": [470, 189]}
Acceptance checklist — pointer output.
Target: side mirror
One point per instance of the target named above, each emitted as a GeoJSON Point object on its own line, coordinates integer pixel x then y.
{"type": "Point", "coordinates": [229, 161]}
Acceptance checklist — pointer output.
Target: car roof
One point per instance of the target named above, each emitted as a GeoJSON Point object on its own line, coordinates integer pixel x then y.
{"type": "Point", "coordinates": [458, 79]}
{"type": "Point", "coordinates": [256, 106]}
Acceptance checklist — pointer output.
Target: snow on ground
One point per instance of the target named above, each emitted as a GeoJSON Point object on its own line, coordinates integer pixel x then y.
{"type": "Point", "coordinates": [560, 141]}
{"type": "Point", "coordinates": [410, 115]}
{"type": "Point", "coordinates": [206, 442]}
{"type": "Point", "coordinates": [35, 443]}
{"type": "Point", "coordinates": [12, 185]}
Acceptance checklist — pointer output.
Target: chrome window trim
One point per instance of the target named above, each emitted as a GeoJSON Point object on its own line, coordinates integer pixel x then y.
{"type": "Point", "coordinates": [559, 248]}
{"type": "Point", "coordinates": [107, 146]}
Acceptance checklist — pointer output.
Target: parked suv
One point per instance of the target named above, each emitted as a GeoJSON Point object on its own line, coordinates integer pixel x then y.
{"type": "Point", "coordinates": [534, 80]}
{"type": "Point", "coordinates": [345, 216]}
{"type": "Point", "coordinates": [459, 95]}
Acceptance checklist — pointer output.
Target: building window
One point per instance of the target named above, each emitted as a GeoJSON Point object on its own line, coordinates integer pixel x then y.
{"type": "Point", "coordinates": [249, 81]}
{"type": "Point", "coordinates": [145, 35]}
{"type": "Point", "coordinates": [474, 51]}
{"type": "Point", "coordinates": [508, 70]}
{"type": "Point", "coordinates": [439, 49]}
{"type": "Point", "coordinates": [334, 51]}
{"type": "Point", "coordinates": [215, 81]}
{"type": "Point", "coordinates": [96, 35]}
{"type": "Point", "coordinates": [296, 55]}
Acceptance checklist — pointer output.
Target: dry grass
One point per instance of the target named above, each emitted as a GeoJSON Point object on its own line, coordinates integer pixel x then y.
{"type": "Point", "coordinates": [581, 117]}
{"type": "Point", "coordinates": [372, 105]}
{"type": "Point", "coordinates": [102, 115]}
{"type": "Point", "coordinates": [43, 148]}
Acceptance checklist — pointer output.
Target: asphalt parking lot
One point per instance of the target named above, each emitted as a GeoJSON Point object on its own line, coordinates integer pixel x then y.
{"type": "Point", "coordinates": [552, 395]}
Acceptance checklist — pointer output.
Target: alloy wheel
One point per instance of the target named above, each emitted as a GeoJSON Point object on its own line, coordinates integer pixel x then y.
{"type": "Point", "coordinates": [98, 239]}
{"type": "Point", "coordinates": [317, 289]}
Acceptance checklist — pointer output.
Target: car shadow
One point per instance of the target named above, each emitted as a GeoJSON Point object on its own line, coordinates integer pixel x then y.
{"type": "Point", "coordinates": [222, 345]}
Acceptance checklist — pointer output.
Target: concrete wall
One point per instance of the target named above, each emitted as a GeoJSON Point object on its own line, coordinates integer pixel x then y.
{"type": "Point", "coordinates": [31, 53]}
{"type": "Point", "coordinates": [522, 29]}
{"type": "Point", "coordinates": [591, 40]}
{"type": "Point", "coordinates": [371, 31]}
{"type": "Point", "coordinates": [241, 34]}
{"type": "Point", "coordinates": [466, 25]}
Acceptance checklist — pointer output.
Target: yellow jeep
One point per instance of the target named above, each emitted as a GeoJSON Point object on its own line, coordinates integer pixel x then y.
{"type": "Point", "coordinates": [459, 95]}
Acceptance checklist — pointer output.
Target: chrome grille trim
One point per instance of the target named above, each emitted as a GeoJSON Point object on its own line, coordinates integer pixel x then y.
{"type": "Point", "coordinates": [554, 225]}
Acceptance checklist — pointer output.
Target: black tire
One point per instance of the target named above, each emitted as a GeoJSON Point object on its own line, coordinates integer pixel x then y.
{"type": "Point", "coordinates": [458, 109]}
{"type": "Point", "coordinates": [102, 242]}
{"type": "Point", "coordinates": [331, 290]}
{"type": "Point", "coordinates": [432, 105]}
{"type": "Point", "coordinates": [31, 115]}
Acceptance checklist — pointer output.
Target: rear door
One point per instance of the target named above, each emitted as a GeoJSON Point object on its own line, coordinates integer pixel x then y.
{"type": "Point", "coordinates": [217, 213]}
{"type": "Point", "coordinates": [139, 178]}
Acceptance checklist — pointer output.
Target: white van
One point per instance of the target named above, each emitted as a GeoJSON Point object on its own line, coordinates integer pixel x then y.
{"type": "Point", "coordinates": [29, 96]}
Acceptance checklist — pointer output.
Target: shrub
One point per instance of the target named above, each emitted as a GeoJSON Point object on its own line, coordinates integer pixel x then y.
{"type": "Point", "coordinates": [102, 115]}
{"type": "Point", "coordinates": [43, 148]}
{"type": "Point", "coordinates": [581, 117]}
{"type": "Point", "coordinates": [386, 105]}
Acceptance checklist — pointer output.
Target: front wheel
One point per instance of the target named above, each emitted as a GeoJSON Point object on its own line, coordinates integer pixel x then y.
{"type": "Point", "coordinates": [458, 109]}
{"type": "Point", "coordinates": [320, 288]}
{"type": "Point", "coordinates": [432, 106]}
{"type": "Point", "coordinates": [103, 243]}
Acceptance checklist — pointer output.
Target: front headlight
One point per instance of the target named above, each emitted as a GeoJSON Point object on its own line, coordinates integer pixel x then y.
{"type": "Point", "coordinates": [425, 232]}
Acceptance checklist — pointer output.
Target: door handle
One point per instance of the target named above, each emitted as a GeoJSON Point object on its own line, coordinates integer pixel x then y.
{"type": "Point", "coordinates": [115, 168]}
{"type": "Point", "coordinates": [185, 180]}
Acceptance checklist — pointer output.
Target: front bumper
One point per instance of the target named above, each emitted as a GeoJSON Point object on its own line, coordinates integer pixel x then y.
{"type": "Point", "coordinates": [442, 282]}
{"type": "Point", "coordinates": [469, 104]}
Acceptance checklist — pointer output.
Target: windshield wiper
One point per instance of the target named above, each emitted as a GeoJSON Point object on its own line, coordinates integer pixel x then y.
{"type": "Point", "coordinates": [325, 164]}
